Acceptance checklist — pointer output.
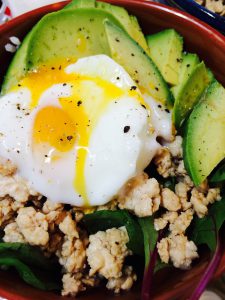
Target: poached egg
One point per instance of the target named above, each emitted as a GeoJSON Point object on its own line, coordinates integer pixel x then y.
{"type": "Point", "coordinates": [77, 132]}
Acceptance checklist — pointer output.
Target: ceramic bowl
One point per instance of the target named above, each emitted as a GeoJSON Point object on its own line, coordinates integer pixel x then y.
{"type": "Point", "coordinates": [200, 12]}
{"type": "Point", "coordinates": [199, 38]}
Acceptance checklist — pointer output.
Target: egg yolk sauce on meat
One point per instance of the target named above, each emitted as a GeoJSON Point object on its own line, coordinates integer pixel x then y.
{"type": "Point", "coordinates": [78, 132]}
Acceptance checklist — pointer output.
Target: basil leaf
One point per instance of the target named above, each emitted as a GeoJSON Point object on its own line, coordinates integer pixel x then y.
{"type": "Point", "coordinates": [27, 274]}
{"type": "Point", "coordinates": [219, 174]}
{"type": "Point", "coordinates": [105, 219]}
{"type": "Point", "coordinates": [204, 231]}
{"type": "Point", "coordinates": [150, 236]}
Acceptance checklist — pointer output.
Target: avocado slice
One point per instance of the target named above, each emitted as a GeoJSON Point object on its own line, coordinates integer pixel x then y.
{"type": "Point", "coordinates": [166, 51]}
{"type": "Point", "coordinates": [66, 34]}
{"type": "Point", "coordinates": [130, 23]}
{"type": "Point", "coordinates": [137, 63]}
{"type": "Point", "coordinates": [190, 94]}
{"type": "Point", "coordinates": [138, 35]}
{"type": "Point", "coordinates": [189, 62]}
{"type": "Point", "coordinates": [204, 140]}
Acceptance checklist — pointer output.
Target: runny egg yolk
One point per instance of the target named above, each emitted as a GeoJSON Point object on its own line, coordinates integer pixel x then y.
{"type": "Point", "coordinates": [69, 122]}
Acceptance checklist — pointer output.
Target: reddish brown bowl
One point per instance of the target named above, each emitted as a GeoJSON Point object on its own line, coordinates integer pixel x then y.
{"type": "Point", "coordinates": [199, 38]}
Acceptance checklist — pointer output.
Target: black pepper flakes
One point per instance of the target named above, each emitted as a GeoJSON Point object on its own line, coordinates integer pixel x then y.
{"type": "Point", "coordinates": [64, 84]}
{"type": "Point", "coordinates": [143, 106]}
{"type": "Point", "coordinates": [79, 103]}
{"type": "Point", "coordinates": [133, 88]}
{"type": "Point", "coordinates": [159, 106]}
{"type": "Point", "coordinates": [126, 129]}
{"type": "Point", "coordinates": [167, 110]}
{"type": "Point", "coordinates": [69, 137]}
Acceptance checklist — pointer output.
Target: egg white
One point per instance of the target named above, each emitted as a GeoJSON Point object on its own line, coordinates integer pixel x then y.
{"type": "Point", "coordinates": [113, 155]}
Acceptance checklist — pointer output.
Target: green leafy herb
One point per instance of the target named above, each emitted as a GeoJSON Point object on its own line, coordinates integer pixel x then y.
{"type": "Point", "coordinates": [31, 264]}
{"type": "Point", "coordinates": [219, 174]}
{"type": "Point", "coordinates": [204, 231]}
{"type": "Point", "coordinates": [29, 255]}
{"type": "Point", "coordinates": [27, 274]}
{"type": "Point", "coordinates": [169, 183]}
{"type": "Point", "coordinates": [150, 236]}
{"type": "Point", "coordinates": [105, 219]}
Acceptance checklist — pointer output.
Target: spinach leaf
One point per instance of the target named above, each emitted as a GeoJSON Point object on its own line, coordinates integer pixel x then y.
{"type": "Point", "coordinates": [105, 219]}
{"type": "Point", "coordinates": [30, 255]}
{"type": "Point", "coordinates": [204, 231]}
{"type": "Point", "coordinates": [31, 264]}
{"type": "Point", "coordinates": [150, 236]}
{"type": "Point", "coordinates": [219, 174]}
{"type": "Point", "coordinates": [27, 274]}
{"type": "Point", "coordinates": [169, 183]}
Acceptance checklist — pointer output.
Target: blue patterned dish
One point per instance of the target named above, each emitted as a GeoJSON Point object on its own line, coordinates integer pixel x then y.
{"type": "Point", "coordinates": [200, 12]}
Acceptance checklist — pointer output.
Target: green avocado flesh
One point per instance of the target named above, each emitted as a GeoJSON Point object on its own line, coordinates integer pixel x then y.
{"type": "Point", "coordinates": [137, 63]}
{"type": "Point", "coordinates": [190, 94]}
{"type": "Point", "coordinates": [189, 62]}
{"type": "Point", "coordinates": [204, 140]}
{"type": "Point", "coordinates": [166, 52]}
{"type": "Point", "coordinates": [130, 23]}
{"type": "Point", "coordinates": [66, 34]}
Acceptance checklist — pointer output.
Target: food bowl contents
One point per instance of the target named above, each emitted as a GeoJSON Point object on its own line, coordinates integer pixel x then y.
{"type": "Point", "coordinates": [217, 6]}
{"type": "Point", "coordinates": [108, 153]}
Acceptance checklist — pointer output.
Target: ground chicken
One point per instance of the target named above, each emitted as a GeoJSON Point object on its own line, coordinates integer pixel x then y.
{"type": "Point", "coordinates": [175, 147]}
{"type": "Point", "coordinates": [15, 187]}
{"type": "Point", "coordinates": [50, 206]}
{"type": "Point", "coordinates": [33, 225]}
{"type": "Point", "coordinates": [140, 195]}
{"type": "Point", "coordinates": [164, 163]}
{"type": "Point", "coordinates": [168, 217]}
{"type": "Point", "coordinates": [182, 222]}
{"type": "Point", "coordinates": [181, 190]}
{"type": "Point", "coordinates": [170, 201]}
{"type": "Point", "coordinates": [6, 211]}
{"type": "Point", "coordinates": [13, 234]}
{"type": "Point", "coordinates": [125, 282]}
{"type": "Point", "coordinates": [72, 284]}
{"type": "Point", "coordinates": [178, 249]}
{"type": "Point", "coordinates": [69, 227]}
{"type": "Point", "coordinates": [107, 251]}
{"type": "Point", "coordinates": [200, 201]}
{"type": "Point", "coordinates": [72, 254]}
{"type": "Point", "coordinates": [217, 6]}
{"type": "Point", "coordinates": [112, 205]}
{"type": "Point", "coordinates": [75, 283]}
{"type": "Point", "coordinates": [7, 168]}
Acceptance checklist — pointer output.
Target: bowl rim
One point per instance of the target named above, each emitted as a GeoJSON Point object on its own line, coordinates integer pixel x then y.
{"type": "Point", "coordinates": [193, 21]}
{"type": "Point", "coordinates": [208, 13]}
{"type": "Point", "coordinates": [206, 28]}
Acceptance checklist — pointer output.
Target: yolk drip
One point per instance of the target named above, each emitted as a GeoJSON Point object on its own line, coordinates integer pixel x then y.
{"type": "Point", "coordinates": [71, 125]}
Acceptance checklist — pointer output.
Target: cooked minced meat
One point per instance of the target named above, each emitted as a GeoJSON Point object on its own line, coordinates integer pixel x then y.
{"type": "Point", "coordinates": [27, 217]}
{"type": "Point", "coordinates": [217, 6]}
